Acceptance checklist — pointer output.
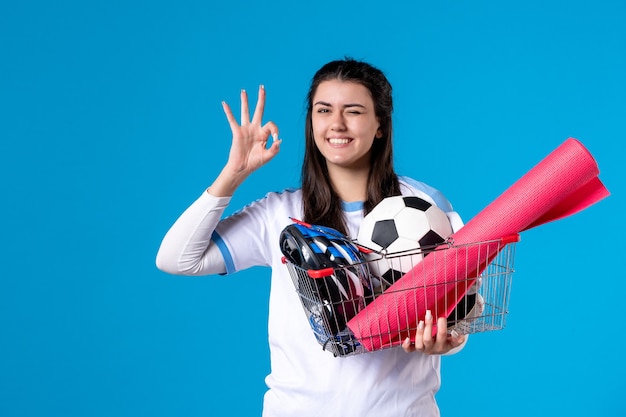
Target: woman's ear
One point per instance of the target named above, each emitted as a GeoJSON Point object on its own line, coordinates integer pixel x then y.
{"type": "Point", "coordinates": [379, 134]}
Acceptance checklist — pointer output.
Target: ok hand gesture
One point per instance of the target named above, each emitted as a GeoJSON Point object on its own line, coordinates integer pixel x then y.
{"type": "Point", "coordinates": [249, 150]}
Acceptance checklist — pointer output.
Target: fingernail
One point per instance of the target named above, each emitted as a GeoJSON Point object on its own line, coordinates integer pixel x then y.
{"type": "Point", "coordinates": [420, 325]}
{"type": "Point", "coordinates": [275, 136]}
{"type": "Point", "coordinates": [407, 341]}
{"type": "Point", "coordinates": [429, 315]}
{"type": "Point", "coordinates": [262, 87]}
{"type": "Point", "coordinates": [454, 333]}
{"type": "Point", "coordinates": [243, 90]}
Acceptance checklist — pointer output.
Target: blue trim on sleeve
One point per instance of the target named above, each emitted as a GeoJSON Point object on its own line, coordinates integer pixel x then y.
{"type": "Point", "coordinates": [221, 245]}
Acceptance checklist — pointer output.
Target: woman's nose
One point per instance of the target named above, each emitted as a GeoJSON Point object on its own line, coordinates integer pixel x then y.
{"type": "Point", "coordinates": [338, 122]}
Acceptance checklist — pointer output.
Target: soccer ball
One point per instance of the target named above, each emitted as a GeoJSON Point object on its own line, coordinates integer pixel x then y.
{"type": "Point", "coordinates": [406, 226]}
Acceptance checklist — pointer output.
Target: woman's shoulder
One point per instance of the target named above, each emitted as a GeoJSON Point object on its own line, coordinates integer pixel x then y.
{"type": "Point", "coordinates": [287, 199]}
{"type": "Point", "coordinates": [286, 195]}
{"type": "Point", "coordinates": [410, 186]}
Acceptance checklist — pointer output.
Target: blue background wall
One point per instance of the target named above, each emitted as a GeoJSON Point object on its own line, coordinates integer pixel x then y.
{"type": "Point", "coordinates": [111, 124]}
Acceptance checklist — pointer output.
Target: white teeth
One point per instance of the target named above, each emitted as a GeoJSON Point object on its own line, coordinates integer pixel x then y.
{"type": "Point", "coordinates": [337, 141]}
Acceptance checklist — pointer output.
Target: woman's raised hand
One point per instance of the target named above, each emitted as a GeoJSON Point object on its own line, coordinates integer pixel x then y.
{"type": "Point", "coordinates": [249, 150]}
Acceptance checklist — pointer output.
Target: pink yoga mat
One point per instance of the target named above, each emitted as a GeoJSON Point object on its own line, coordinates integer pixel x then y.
{"type": "Point", "coordinates": [562, 184]}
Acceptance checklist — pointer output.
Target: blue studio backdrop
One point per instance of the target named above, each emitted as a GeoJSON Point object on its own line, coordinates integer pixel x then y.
{"type": "Point", "coordinates": [111, 125]}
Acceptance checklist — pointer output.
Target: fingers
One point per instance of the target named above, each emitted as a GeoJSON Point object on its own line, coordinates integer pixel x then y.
{"type": "Point", "coordinates": [456, 339]}
{"type": "Point", "coordinates": [245, 111]}
{"type": "Point", "coordinates": [429, 343]}
{"type": "Point", "coordinates": [442, 329]}
{"type": "Point", "coordinates": [250, 139]}
{"type": "Point", "coordinates": [427, 338]}
{"type": "Point", "coordinates": [273, 150]}
{"type": "Point", "coordinates": [258, 110]}
{"type": "Point", "coordinates": [438, 343]}
{"type": "Point", "coordinates": [229, 114]}
{"type": "Point", "coordinates": [270, 129]}
{"type": "Point", "coordinates": [408, 346]}
{"type": "Point", "coordinates": [275, 146]}
{"type": "Point", "coordinates": [260, 106]}
{"type": "Point", "coordinates": [419, 342]}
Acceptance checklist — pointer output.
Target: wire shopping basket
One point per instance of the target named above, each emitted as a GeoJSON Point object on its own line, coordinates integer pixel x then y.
{"type": "Point", "coordinates": [384, 298]}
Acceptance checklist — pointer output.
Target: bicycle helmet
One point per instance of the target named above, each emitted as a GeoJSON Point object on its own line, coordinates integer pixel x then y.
{"type": "Point", "coordinates": [335, 298]}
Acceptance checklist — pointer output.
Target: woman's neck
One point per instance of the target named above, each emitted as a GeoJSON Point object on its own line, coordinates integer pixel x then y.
{"type": "Point", "coordinates": [349, 184]}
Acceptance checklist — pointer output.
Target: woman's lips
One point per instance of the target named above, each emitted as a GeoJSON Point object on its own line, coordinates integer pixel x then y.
{"type": "Point", "coordinates": [339, 141]}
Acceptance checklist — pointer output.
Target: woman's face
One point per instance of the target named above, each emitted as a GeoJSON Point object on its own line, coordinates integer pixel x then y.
{"type": "Point", "coordinates": [344, 123]}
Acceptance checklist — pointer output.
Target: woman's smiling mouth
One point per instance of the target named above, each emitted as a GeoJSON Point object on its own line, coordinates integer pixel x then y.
{"type": "Point", "coordinates": [339, 141]}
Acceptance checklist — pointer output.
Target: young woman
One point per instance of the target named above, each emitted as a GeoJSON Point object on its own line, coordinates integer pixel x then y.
{"type": "Point", "coordinates": [347, 170]}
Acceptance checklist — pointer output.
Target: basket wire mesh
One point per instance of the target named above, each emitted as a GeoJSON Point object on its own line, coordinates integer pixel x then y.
{"type": "Point", "coordinates": [480, 305]}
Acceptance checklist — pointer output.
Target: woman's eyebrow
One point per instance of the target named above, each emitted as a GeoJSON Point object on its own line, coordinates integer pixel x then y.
{"type": "Point", "coordinates": [323, 103]}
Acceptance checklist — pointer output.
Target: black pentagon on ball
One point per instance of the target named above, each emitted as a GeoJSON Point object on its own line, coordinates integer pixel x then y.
{"type": "Point", "coordinates": [416, 203]}
{"type": "Point", "coordinates": [391, 276]}
{"type": "Point", "coordinates": [462, 309]}
{"type": "Point", "coordinates": [431, 239]}
{"type": "Point", "coordinates": [384, 233]}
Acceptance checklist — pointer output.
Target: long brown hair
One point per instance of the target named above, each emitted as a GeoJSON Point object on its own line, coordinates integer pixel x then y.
{"type": "Point", "coordinates": [321, 204]}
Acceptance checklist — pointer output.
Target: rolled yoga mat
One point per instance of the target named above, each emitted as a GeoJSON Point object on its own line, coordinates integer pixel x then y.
{"type": "Point", "coordinates": [562, 184]}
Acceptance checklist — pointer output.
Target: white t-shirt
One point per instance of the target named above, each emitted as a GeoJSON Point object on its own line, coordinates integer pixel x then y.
{"type": "Point", "coordinates": [304, 380]}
